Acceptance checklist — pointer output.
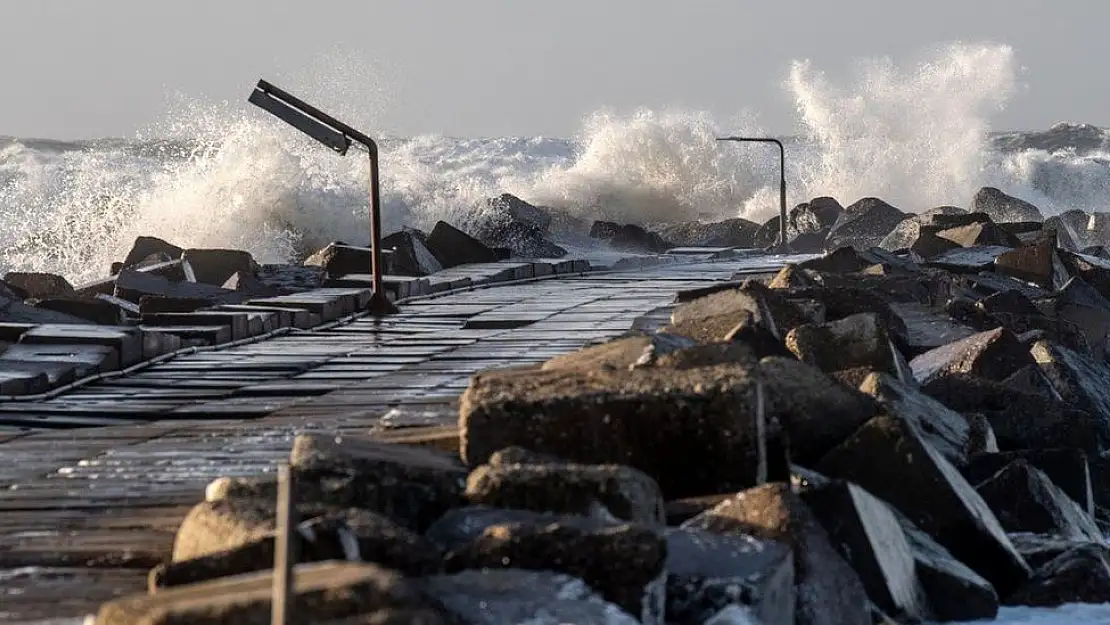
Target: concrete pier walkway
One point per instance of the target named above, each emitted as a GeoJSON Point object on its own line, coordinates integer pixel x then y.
{"type": "Point", "coordinates": [86, 511]}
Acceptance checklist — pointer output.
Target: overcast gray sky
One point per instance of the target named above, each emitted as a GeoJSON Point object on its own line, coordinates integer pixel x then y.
{"type": "Point", "coordinates": [85, 68]}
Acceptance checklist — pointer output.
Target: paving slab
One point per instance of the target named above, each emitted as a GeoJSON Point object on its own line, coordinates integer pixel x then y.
{"type": "Point", "coordinates": [127, 341]}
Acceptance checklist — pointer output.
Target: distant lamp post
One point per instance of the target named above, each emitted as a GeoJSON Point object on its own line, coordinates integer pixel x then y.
{"type": "Point", "coordinates": [782, 179]}
{"type": "Point", "coordinates": [337, 136]}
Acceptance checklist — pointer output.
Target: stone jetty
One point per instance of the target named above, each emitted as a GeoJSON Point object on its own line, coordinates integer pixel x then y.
{"type": "Point", "coordinates": [903, 420]}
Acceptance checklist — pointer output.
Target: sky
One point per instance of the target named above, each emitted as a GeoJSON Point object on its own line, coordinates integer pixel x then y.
{"type": "Point", "coordinates": [82, 69]}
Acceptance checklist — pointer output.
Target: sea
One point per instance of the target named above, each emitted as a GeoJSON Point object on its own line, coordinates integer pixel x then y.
{"type": "Point", "coordinates": [221, 174]}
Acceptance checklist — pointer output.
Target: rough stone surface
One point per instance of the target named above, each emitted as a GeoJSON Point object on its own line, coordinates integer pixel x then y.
{"type": "Point", "coordinates": [864, 224]}
{"type": "Point", "coordinates": [829, 591]}
{"type": "Point", "coordinates": [329, 590]}
{"type": "Point", "coordinates": [982, 233]}
{"type": "Point", "coordinates": [956, 593]}
{"type": "Point", "coordinates": [453, 247]}
{"type": "Point", "coordinates": [38, 285]}
{"type": "Point", "coordinates": [708, 573]}
{"type": "Point", "coordinates": [734, 232]}
{"type": "Point", "coordinates": [216, 266]}
{"type": "Point", "coordinates": [994, 355]}
{"type": "Point", "coordinates": [624, 564]}
{"type": "Point", "coordinates": [917, 480]}
{"type": "Point", "coordinates": [1079, 575]}
{"type": "Point", "coordinates": [499, 596]}
{"type": "Point", "coordinates": [1081, 306]}
{"type": "Point", "coordinates": [1025, 500]}
{"type": "Point", "coordinates": [144, 247]}
{"type": "Point", "coordinates": [568, 489]}
{"type": "Point", "coordinates": [1080, 380]}
{"type": "Point", "coordinates": [1036, 263]}
{"type": "Point", "coordinates": [868, 535]}
{"type": "Point", "coordinates": [854, 341]}
{"type": "Point", "coordinates": [1067, 468]}
{"type": "Point", "coordinates": [1004, 208]}
{"type": "Point", "coordinates": [411, 257]}
{"type": "Point", "coordinates": [946, 430]}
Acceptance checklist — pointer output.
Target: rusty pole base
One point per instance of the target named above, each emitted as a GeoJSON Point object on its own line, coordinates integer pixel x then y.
{"type": "Point", "coordinates": [380, 306]}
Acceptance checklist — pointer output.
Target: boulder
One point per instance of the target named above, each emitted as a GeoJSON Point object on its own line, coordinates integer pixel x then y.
{"type": "Point", "coordinates": [866, 532]}
{"type": "Point", "coordinates": [1040, 549]}
{"type": "Point", "coordinates": [1030, 379]}
{"type": "Point", "coordinates": [509, 222]}
{"type": "Point", "coordinates": [1079, 575]}
{"type": "Point", "coordinates": [756, 315]}
{"type": "Point", "coordinates": [1025, 500]}
{"type": "Point", "coordinates": [624, 564]}
{"type": "Point", "coordinates": [692, 430]}
{"type": "Point", "coordinates": [981, 233]}
{"type": "Point", "coordinates": [134, 285]}
{"type": "Point", "coordinates": [1067, 468]}
{"type": "Point", "coordinates": [994, 355]}
{"type": "Point", "coordinates": [903, 235]}
{"type": "Point", "coordinates": [917, 480]}
{"type": "Point", "coordinates": [1092, 268]}
{"type": "Point", "coordinates": [955, 592]}
{"type": "Point", "coordinates": [568, 489]}
{"type": "Point", "coordinates": [411, 257]}
{"type": "Point", "coordinates": [101, 310]}
{"type": "Point", "coordinates": [1021, 420]}
{"type": "Point", "coordinates": [356, 535]}
{"type": "Point", "coordinates": [946, 430]}
{"type": "Point", "coordinates": [1004, 208]}
{"type": "Point", "coordinates": [339, 259]}
{"type": "Point", "coordinates": [864, 224]}
{"type": "Point", "coordinates": [453, 247]}
{"type": "Point", "coordinates": [1080, 380]}
{"type": "Point", "coordinates": [1080, 306]}
{"type": "Point", "coordinates": [502, 595]}
{"type": "Point", "coordinates": [1037, 263]}
{"type": "Point", "coordinates": [412, 485]}
{"type": "Point", "coordinates": [854, 341]}
{"type": "Point", "coordinates": [828, 590]}
{"type": "Point", "coordinates": [12, 310]}
{"type": "Point", "coordinates": [215, 266]}
{"type": "Point", "coordinates": [968, 259]}
{"type": "Point", "coordinates": [34, 285]}
{"type": "Point", "coordinates": [817, 215]}
{"type": "Point", "coordinates": [327, 591]}
{"type": "Point", "coordinates": [709, 574]}
{"type": "Point", "coordinates": [244, 282]}
{"type": "Point", "coordinates": [145, 247]}
{"type": "Point", "coordinates": [629, 237]}
{"type": "Point", "coordinates": [734, 232]}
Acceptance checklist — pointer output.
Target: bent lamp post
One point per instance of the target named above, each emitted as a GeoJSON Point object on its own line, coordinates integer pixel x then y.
{"type": "Point", "coordinates": [337, 136]}
{"type": "Point", "coordinates": [782, 180]}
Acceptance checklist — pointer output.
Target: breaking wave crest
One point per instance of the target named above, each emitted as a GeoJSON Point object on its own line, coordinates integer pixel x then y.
{"type": "Point", "coordinates": [917, 134]}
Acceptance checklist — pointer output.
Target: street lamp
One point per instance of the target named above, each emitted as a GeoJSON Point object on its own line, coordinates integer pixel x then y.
{"type": "Point", "coordinates": [337, 136]}
{"type": "Point", "coordinates": [782, 179]}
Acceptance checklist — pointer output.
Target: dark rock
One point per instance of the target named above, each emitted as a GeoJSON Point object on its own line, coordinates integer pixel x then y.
{"type": "Point", "coordinates": [568, 489]}
{"type": "Point", "coordinates": [38, 285]}
{"type": "Point", "coordinates": [1065, 237]}
{"type": "Point", "coordinates": [981, 436]}
{"type": "Point", "coordinates": [840, 260]}
{"type": "Point", "coordinates": [864, 224]}
{"type": "Point", "coordinates": [968, 259]}
{"type": "Point", "coordinates": [453, 247]}
{"type": "Point", "coordinates": [1004, 208]}
{"type": "Point", "coordinates": [411, 485]}
{"type": "Point", "coordinates": [734, 232]}
{"type": "Point", "coordinates": [1021, 420]}
{"type": "Point", "coordinates": [1080, 380]}
{"type": "Point", "coordinates": [1079, 575]}
{"type": "Point", "coordinates": [633, 238]}
{"type": "Point", "coordinates": [98, 310]}
{"type": "Point", "coordinates": [1082, 307]}
{"type": "Point", "coordinates": [691, 430]}
{"type": "Point", "coordinates": [1025, 500]}
{"type": "Point", "coordinates": [154, 304]}
{"type": "Point", "coordinates": [709, 573]}
{"type": "Point", "coordinates": [917, 480]}
{"type": "Point", "coordinates": [854, 341]}
{"type": "Point", "coordinates": [355, 535]}
{"type": "Point", "coordinates": [215, 266]}
{"type": "Point", "coordinates": [956, 593]}
{"type": "Point", "coordinates": [1040, 549]}
{"type": "Point", "coordinates": [462, 526]}
{"type": "Point", "coordinates": [1091, 268]}
{"type": "Point", "coordinates": [817, 215]}
{"type": "Point", "coordinates": [757, 316]}
{"type": "Point", "coordinates": [339, 259]}
{"type": "Point", "coordinates": [509, 222]}
{"type": "Point", "coordinates": [243, 282]}
{"type": "Point", "coordinates": [133, 285]}
{"type": "Point", "coordinates": [1098, 251]}
{"type": "Point", "coordinates": [625, 563]}
{"type": "Point", "coordinates": [1030, 379]}
{"type": "Point", "coordinates": [1037, 263]}
{"type": "Point", "coordinates": [519, 210]}
{"type": "Point", "coordinates": [994, 355]}
{"type": "Point", "coordinates": [328, 591]}
{"type": "Point", "coordinates": [866, 532]}
{"type": "Point", "coordinates": [411, 257]}
{"type": "Point", "coordinates": [501, 595]}
{"type": "Point", "coordinates": [1067, 468]}
{"type": "Point", "coordinates": [947, 431]}
{"type": "Point", "coordinates": [829, 591]}
{"type": "Point", "coordinates": [982, 233]}
{"type": "Point", "coordinates": [12, 310]}
{"type": "Point", "coordinates": [144, 247]}
{"type": "Point", "coordinates": [929, 245]}
{"type": "Point", "coordinates": [809, 242]}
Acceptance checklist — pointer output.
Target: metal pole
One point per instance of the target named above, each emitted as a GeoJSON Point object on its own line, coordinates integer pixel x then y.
{"type": "Point", "coordinates": [375, 221]}
{"type": "Point", "coordinates": [782, 177]}
{"type": "Point", "coordinates": [284, 550]}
